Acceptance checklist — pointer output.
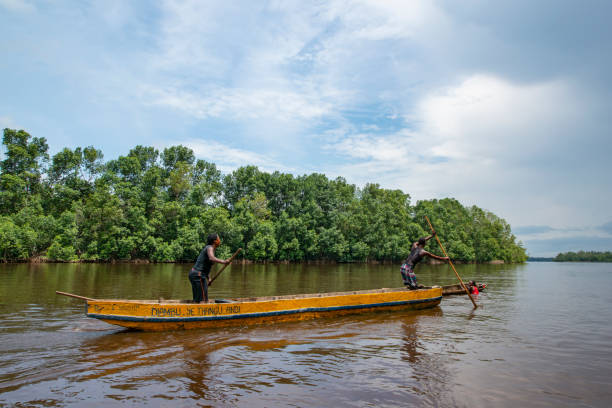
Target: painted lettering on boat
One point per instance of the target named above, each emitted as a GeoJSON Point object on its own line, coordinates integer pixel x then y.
{"type": "Point", "coordinates": [165, 311]}
{"type": "Point", "coordinates": [209, 310]}
{"type": "Point", "coordinates": [217, 310]}
{"type": "Point", "coordinates": [212, 310]}
{"type": "Point", "coordinates": [97, 308]}
{"type": "Point", "coordinates": [124, 308]}
{"type": "Point", "coordinates": [232, 309]}
{"type": "Point", "coordinates": [113, 308]}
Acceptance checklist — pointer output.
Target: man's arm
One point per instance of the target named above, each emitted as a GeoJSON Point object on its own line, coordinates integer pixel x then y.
{"type": "Point", "coordinates": [440, 258]}
{"type": "Point", "coordinates": [213, 258]}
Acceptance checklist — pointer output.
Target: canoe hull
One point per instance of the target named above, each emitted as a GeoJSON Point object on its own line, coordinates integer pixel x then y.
{"type": "Point", "coordinates": [175, 315]}
{"type": "Point", "coordinates": [453, 290]}
{"type": "Point", "coordinates": [457, 289]}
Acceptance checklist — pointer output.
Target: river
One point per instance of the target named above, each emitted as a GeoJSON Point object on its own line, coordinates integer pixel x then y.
{"type": "Point", "coordinates": [541, 336]}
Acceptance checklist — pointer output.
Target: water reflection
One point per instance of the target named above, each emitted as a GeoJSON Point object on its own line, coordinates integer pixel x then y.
{"type": "Point", "coordinates": [424, 349]}
{"type": "Point", "coordinates": [412, 342]}
{"type": "Point", "coordinates": [197, 367]}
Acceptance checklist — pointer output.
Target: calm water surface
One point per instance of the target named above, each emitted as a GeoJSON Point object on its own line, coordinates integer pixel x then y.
{"type": "Point", "coordinates": [542, 336]}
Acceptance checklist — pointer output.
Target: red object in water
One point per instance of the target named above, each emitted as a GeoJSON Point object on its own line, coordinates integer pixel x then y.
{"type": "Point", "coordinates": [475, 290]}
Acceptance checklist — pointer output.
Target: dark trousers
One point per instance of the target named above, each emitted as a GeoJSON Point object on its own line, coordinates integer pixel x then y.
{"type": "Point", "coordinates": [199, 286]}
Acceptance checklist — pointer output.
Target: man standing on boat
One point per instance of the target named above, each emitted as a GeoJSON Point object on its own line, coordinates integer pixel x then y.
{"type": "Point", "coordinates": [417, 252]}
{"type": "Point", "coordinates": [200, 273]}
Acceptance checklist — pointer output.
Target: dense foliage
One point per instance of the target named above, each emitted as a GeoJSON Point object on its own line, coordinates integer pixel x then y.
{"type": "Point", "coordinates": [161, 207]}
{"type": "Point", "coordinates": [584, 256]}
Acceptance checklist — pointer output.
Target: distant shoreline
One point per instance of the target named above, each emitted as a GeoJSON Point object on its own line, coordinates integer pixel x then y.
{"type": "Point", "coordinates": [541, 259]}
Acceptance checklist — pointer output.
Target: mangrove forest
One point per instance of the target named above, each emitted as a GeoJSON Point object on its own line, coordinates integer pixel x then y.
{"type": "Point", "coordinates": [160, 206]}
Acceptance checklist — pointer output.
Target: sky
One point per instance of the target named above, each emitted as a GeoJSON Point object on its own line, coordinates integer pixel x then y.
{"type": "Point", "coordinates": [504, 105]}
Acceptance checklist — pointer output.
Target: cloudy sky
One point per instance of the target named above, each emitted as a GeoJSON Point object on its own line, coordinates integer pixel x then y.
{"type": "Point", "coordinates": [505, 104]}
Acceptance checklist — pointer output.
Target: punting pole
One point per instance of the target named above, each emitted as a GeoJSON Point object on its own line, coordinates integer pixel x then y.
{"type": "Point", "coordinates": [224, 266]}
{"type": "Point", "coordinates": [451, 264]}
{"type": "Point", "coordinates": [73, 295]}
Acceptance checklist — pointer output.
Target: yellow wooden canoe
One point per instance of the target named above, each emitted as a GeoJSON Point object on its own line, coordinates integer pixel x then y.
{"type": "Point", "coordinates": [181, 314]}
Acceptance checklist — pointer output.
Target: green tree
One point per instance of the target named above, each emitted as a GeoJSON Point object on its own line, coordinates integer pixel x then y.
{"type": "Point", "coordinates": [584, 256]}
{"type": "Point", "coordinates": [12, 245]}
{"type": "Point", "coordinates": [21, 170]}
{"type": "Point", "coordinates": [263, 246]}
{"type": "Point", "coordinates": [71, 176]}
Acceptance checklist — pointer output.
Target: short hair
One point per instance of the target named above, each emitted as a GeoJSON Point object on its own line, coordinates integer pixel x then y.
{"type": "Point", "coordinates": [422, 241]}
{"type": "Point", "coordinates": [211, 239]}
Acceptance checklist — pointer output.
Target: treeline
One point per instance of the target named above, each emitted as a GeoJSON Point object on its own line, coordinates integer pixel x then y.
{"type": "Point", "coordinates": [584, 256]}
{"type": "Point", "coordinates": [161, 206]}
{"type": "Point", "coordinates": [540, 259]}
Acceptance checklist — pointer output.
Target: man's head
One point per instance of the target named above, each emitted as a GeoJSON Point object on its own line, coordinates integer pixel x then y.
{"type": "Point", "coordinates": [213, 239]}
{"type": "Point", "coordinates": [422, 241]}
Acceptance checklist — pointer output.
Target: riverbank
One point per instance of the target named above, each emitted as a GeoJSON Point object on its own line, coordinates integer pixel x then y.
{"type": "Point", "coordinates": [247, 262]}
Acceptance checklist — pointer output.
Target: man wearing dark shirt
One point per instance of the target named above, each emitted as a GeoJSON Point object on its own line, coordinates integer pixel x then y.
{"type": "Point", "coordinates": [417, 253]}
{"type": "Point", "coordinates": [199, 274]}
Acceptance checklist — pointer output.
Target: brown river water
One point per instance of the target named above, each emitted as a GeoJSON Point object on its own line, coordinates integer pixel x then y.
{"type": "Point", "coordinates": [541, 337]}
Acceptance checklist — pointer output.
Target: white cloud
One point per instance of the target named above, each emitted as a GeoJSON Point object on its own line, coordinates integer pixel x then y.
{"type": "Point", "coordinates": [565, 233]}
{"type": "Point", "coordinates": [239, 45]}
{"type": "Point", "coordinates": [383, 20]}
{"type": "Point", "coordinates": [375, 148]}
{"type": "Point", "coordinates": [228, 158]}
{"type": "Point", "coordinates": [553, 241]}
{"type": "Point", "coordinates": [237, 64]}
{"type": "Point", "coordinates": [486, 117]}
{"type": "Point", "coordinates": [485, 141]}
{"type": "Point", "coordinates": [6, 122]}
{"type": "Point", "coordinates": [21, 6]}
{"type": "Point", "coordinates": [115, 13]}
{"type": "Point", "coordinates": [290, 65]}
{"type": "Point", "coordinates": [241, 103]}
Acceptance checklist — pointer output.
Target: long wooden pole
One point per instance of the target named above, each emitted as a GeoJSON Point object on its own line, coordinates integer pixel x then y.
{"type": "Point", "coordinates": [451, 264]}
{"type": "Point", "coordinates": [224, 266]}
{"type": "Point", "coordinates": [73, 295]}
